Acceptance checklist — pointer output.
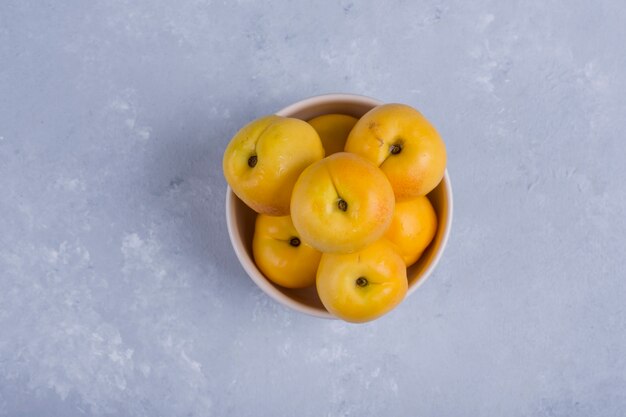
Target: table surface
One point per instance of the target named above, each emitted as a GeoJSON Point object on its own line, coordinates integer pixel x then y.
{"type": "Point", "coordinates": [121, 295]}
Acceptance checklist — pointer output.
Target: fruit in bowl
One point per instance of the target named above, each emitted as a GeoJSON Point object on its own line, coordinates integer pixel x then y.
{"type": "Point", "coordinates": [413, 240]}
{"type": "Point", "coordinates": [264, 159]}
{"type": "Point", "coordinates": [364, 285]}
{"type": "Point", "coordinates": [333, 130]}
{"type": "Point", "coordinates": [342, 203]}
{"type": "Point", "coordinates": [413, 227]}
{"type": "Point", "coordinates": [406, 147]}
{"type": "Point", "coordinates": [281, 254]}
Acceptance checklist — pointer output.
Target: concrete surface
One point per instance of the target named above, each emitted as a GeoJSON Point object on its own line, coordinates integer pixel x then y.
{"type": "Point", "coordinates": [119, 291]}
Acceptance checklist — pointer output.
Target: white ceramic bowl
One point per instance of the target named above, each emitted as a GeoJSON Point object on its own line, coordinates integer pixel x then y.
{"type": "Point", "coordinates": [240, 218]}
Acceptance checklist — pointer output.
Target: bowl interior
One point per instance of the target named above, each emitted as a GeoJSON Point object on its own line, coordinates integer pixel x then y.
{"type": "Point", "coordinates": [241, 217]}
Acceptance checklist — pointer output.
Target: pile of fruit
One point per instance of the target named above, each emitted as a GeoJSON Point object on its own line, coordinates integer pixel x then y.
{"type": "Point", "coordinates": [349, 223]}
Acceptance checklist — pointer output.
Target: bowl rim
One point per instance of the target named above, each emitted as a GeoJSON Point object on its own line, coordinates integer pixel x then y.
{"type": "Point", "coordinates": [248, 264]}
{"type": "Point", "coordinates": [324, 98]}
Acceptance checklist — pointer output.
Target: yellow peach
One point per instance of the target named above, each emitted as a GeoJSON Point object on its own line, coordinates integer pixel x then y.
{"type": "Point", "coordinates": [406, 147]}
{"type": "Point", "coordinates": [342, 203]}
{"type": "Point", "coordinates": [264, 159]}
{"type": "Point", "coordinates": [280, 253]}
{"type": "Point", "coordinates": [412, 228]}
{"type": "Point", "coordinates": [362, 286]}
{"type": "Point", "coordinates": [333, 130]}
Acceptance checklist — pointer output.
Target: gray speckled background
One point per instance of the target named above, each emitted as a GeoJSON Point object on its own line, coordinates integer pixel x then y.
{"type": "Point", "coordinates": [119, 291]}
